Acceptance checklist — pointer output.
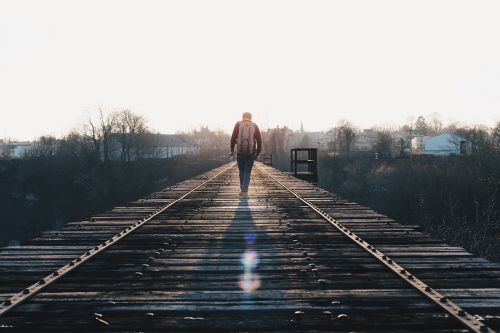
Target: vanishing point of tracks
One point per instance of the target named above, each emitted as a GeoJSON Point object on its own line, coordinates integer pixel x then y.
{"type": "Point", "coordinates": [291, 257]}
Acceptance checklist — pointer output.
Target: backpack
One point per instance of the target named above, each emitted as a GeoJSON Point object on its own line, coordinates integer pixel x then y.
{"type": "Point", "coordinates": [246, 138]}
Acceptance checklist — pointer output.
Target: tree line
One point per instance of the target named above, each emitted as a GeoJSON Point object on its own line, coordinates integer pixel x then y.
{"type": "Point", "coordinates": [454, 198]}
{"type": "Point", "coordinates": [125, 136]}
{"type": "Point", "coordinates": [384, 143]}
{"type": "Point", "coordinates": [109, 159]}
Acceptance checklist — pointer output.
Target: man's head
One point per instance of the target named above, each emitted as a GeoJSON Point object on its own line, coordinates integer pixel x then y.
{"type": "Point", "coordinates": [247, 116]}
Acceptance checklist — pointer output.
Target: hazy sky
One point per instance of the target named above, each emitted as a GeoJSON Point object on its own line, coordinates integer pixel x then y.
{"type": "Point", "coordinates": [182, 64]}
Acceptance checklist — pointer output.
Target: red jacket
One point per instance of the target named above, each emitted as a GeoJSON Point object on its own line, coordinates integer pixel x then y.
{"type": "Point", "coordinates": [257, 146]}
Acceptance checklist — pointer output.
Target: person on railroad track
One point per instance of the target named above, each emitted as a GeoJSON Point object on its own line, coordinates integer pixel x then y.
{"type": "Point", "coordinates": [246, 136]}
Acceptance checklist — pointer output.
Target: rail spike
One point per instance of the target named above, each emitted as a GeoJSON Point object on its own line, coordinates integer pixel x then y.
{"type": "Point", "coordinates": [451, 308]}
{"type": "Point", "coordinates": [23, 296]}
{"type": "Point", "coordinates": [445, 303]}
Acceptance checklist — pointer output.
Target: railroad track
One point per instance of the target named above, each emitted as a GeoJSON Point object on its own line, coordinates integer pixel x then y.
{"type": "Point", "coordinates": [292, 257]}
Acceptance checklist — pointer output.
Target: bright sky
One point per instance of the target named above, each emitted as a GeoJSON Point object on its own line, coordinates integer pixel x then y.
{"type": "Point", "coordinates": [182, 64]}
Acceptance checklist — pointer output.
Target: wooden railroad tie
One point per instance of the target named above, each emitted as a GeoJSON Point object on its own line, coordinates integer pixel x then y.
{"type": "Point", "coordinates": [197, 257]}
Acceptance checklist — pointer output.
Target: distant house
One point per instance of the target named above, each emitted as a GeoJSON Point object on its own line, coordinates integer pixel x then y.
{"type": "Point", "coordinates": [153, 146]}
{"type": "Point", "coordinates": [10, 150]}
{"type": "Point", "coordinates": [418, 144]}
{"type": "Point", "coordinates": [440, 145]}
{"type": "Point", "coordinates": [365, 140]}
{"type": "Point", "coordinates": [169, 145]}
{"type": "Point", "coordinates": [318, 140]}
{"type": "Point", "coordinates": [22, 148]}
{"type": "Point", "coordinates": [304, 139]}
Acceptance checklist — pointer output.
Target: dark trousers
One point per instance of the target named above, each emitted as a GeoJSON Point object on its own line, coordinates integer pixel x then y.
{"type": "Point", "coordinates": [245, 164]}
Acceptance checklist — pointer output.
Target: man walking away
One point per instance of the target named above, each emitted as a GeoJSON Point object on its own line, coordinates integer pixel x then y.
{"type": "Point", "coordinates": [246, 135]}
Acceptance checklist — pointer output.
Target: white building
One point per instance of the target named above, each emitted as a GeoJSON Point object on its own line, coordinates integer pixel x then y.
{"type": "Point", "coordinates": [305, 139]}
{"type": "Point", "coordinates": [15, 149]}
{"type": "Point", "coordinates": [440, 145]}
{"type": "Point", "coordinates": [155, 146]}
{"type": "Point", "coordinates": [418, 144]}
{"type": "Point", "coordinates": [170, 145]}
{"type": "Point", "coordinates": [319, 140]}
{"type": "Point", "coordinates": [365, 140]}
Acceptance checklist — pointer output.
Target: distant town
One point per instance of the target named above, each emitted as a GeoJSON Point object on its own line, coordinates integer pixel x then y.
{"type": "Point", "coordinates": [114, 142]}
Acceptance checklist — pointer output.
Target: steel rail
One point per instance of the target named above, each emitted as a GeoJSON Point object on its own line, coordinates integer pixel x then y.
{"type": "Point", "coordinates": [37, 287]}
{"type": "Point", "coordinates": [463, 317]}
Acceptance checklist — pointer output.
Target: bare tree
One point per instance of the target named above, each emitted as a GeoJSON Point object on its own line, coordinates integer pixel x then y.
{"type": "Point", "coordinates": [495, 135]}
{"type": "Point", "coordinates": [346, 134]}
{"type": "Point", "coordinates": [275, 141]}
{"type": "Point", "coordinates": [421, 127]}
{"type": "Point", "coordinates": [45, 146]}
{"type": "Point", "coordinates": [402, 145]}
{"type": "Point", "coordinates": [99, 129]}
{"type": "Point", "coordinates": [477, 137]}
{"type": "Point", "coordinates": [5, 149]}
{"type": "Point", "coordinates": [383, 144]}
{"type": "Point", "coordinates": [220, 140]}
{"type": "Point", "coordinates": [435, 123]}
{"type": "Point", "coordinates": [107, 127]}
{"type": "Point", "coordinates": [153, 147]}
{"type": "Point", "coordinates": [76, 145]}
{"type": "Point", "coordinates": [91, 132]}
{"type": "Point", "coordinates": [131, 127]}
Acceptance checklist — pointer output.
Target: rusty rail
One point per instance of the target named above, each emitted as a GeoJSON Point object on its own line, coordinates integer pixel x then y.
{"type": "Point", "coordinates": [43, 283]}
{"type": "Point", "coordinates": [451, 308]}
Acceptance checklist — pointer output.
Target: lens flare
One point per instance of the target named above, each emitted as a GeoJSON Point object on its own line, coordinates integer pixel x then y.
{"type": "Point", "coordinates": [249, 282]}
{"type": "Point", "coordinates": [250, 238]}
{"type": "Point", "coordinates": [250, 259]}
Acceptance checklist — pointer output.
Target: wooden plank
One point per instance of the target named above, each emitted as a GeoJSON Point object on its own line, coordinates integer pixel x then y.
{"type": "Point", "coordinates": [193, 268]}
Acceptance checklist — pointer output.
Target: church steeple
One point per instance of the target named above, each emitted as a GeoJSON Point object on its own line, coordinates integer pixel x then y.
{"type": "Point", "coordinates": [301, 127]}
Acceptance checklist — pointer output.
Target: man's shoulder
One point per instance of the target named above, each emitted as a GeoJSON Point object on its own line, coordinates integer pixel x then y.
{"type": "Point", "coordinates": [241, 122]}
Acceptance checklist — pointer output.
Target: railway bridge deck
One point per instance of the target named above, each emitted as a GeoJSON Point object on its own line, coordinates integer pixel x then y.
{"type": "Point", "coordinates": [291, 257]}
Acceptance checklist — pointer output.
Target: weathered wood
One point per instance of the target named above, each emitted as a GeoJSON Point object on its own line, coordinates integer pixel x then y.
{"type": "Point", "coordinates": [182, 271]}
